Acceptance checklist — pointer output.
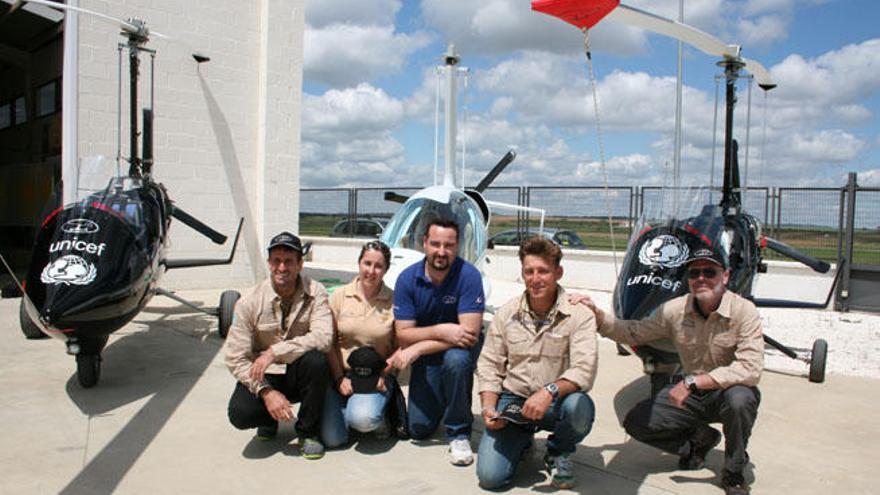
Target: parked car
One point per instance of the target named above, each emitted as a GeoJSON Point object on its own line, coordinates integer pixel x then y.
{"type": "Point", "coordinates": [359, 227]}
{"type": "Point", "coordinates": [567, 239]}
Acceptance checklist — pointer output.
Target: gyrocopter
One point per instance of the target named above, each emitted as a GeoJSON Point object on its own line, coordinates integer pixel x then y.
{"type": "Point", "coordinates": [653, 270]}
{"type": "Point", "coordinates": [97, 262]}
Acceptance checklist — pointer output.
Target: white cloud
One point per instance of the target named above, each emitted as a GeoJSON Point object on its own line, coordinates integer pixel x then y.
{"type": "Point", "coordinates": [349, 113]}
{"type": "Point", "coordinates": [869, 178]}
{"type": "Point", "coordinates": [321, 13]}
{"type": "Point", "coordinates": [341, 55]}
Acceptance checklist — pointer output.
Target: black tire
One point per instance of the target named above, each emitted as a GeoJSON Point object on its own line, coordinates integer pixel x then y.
{"type": "Point", "coordinates": [30, 331]}
{"type": "Point", "coordinates": [817, 361]}
{"type": "Point", "coordinates": [226, 310]}
{"type": "Point", "coordinates": [88, 369]}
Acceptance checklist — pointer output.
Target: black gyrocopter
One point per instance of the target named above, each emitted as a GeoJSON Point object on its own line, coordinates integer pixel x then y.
{"type": "Point", "coordinates": [97, 262]}
{"type": "Point", "coordinates": [654, 270]}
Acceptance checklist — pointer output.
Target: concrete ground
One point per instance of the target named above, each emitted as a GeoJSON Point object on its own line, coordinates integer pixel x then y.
{"type": "Point", "coordinates": [156, 423]}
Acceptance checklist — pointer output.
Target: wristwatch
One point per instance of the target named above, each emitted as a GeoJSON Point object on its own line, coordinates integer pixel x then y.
{"type": "Point", "coordinates": [690, 381]}
{"type": "Point", "coordinates": [553, 388]}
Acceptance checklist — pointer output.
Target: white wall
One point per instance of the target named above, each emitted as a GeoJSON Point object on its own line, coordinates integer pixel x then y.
{"type": "Point", "coordinates": [226, 132]}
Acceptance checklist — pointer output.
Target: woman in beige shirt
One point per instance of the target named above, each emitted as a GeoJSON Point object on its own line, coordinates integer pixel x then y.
{"type": "Point", "coordinates": [362, 316]}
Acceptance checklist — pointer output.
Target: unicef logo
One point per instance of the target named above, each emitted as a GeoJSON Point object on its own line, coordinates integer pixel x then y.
{"type": "Point", "coordinates": [69, 270]}
{"type": "Point", "coordinates": [80, 226]}
{"type": "Point", "coordinates": [664, 250]}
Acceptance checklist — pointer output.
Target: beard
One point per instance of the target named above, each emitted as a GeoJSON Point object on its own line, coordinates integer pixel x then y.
{"type": "Point", "coordinates": [439, 263]}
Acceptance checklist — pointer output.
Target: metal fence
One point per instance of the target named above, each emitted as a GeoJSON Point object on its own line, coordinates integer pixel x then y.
{"type": "Point", "coordinates": [810, 219]}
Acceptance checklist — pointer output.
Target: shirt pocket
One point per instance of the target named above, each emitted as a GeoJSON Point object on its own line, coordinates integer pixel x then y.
{"type": "Point", "coordinates": [519, 346]}
{"type": "Point", "coordinates": [554, 347]}
{"type": "Point", "coordinates": [724, 347]}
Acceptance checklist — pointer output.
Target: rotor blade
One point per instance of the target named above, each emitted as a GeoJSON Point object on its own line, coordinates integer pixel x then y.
{"type": "Point", "coordinates": [125, 25]}
{"type": "Point", "coordinates": [395, 198]}
{"type": "Point", "coordinates": [197, 225]}
{"type": "Point", "coordinates": [497, 169]}
{"type": "Point", "coordinates": [698, 39]}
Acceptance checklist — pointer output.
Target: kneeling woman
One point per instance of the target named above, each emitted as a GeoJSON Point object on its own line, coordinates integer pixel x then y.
{"type": "Point", "coordinates": [362, 316]}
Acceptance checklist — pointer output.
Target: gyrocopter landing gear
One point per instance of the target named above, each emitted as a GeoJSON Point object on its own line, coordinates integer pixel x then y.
{"type": "Point", "coordinates": [30, 331]}
{"type": "Point", "coordinates": [226, 310]}
{"type": "Point", "coordinates": [815, 360]}
{"type": "Point", "coordinates": [88, 359]}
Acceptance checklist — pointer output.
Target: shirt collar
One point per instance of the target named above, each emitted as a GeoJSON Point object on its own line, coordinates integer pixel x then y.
{"type": "Point", "coordinates": [303, 286]}
{"type": "Point", "coordinates": [351, 290]}
{"type": "Point", "coordinates": [560, 309]}
{"type": "Point", "coordinates": [723, 309]}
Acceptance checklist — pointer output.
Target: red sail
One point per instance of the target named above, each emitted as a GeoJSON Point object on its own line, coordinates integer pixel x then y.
{"type": "Point", "coordinates": [581, 13]}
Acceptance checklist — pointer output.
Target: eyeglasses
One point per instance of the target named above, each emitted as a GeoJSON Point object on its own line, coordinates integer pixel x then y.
{"type": "Point", "coordinates": [375, 245]}
{"type": "Point", "coordinates": [708, 273]}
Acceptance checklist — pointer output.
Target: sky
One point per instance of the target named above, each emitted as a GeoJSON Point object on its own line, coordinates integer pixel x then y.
{"type": "Point", "coordinates": [370, 81]}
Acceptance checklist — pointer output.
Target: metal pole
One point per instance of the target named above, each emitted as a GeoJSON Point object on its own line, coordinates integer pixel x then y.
{"type": "Point", "coordinates": [133, 62]}
{"type": "Point", "coordinates": [676, 161]}
{"type": "Point", "coordinates": [451, 60]}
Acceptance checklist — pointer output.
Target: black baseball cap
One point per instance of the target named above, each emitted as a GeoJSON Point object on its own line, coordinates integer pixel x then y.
{"type": "Point", "coordinates": [366, 367]}
{"type": "Point", "coordinates": [513, 413]}
{"type": "Point", "coordinates": [708, 255]}
{"type": "Point", "coordinates": [287, 240]}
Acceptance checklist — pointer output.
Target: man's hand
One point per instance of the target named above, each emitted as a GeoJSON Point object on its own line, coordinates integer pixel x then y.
{"type": "Point", "coordinates": [460, 336]}
{"type": "Point", "coordinates": [403, 358]}
{"type": "Point", "coordinates": [277, 405]}
{"type": "Point", "coordinates": [679, 394]}
{"type": "Point", "coordinates": [380, 385]}
{"type": "Point", "coordinates": [258, 369]}
{"type": "Point", "coordinates": [576, 298]}
{"type": "Point", "coordinates": [491, 420]}
{"type": "Point", "coordinates": [344, 387]}
{"type": "Point", "coordinates": [536, 406]}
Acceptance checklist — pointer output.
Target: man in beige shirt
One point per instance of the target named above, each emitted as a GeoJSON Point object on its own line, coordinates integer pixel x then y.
{"type": "Point", "coordinates": [537, 364]}
{"type": "Point", "coordinates": [718, 337]}
{"type": "Point", "coordinates": [275, 349]}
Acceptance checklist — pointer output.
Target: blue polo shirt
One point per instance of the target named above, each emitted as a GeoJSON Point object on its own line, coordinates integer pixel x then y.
{"type": "Point", "coordinates": [417, 298]}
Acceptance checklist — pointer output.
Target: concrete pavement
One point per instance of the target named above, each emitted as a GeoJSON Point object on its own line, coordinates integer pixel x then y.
{"type": "Point", "coordinates": [156, 423]}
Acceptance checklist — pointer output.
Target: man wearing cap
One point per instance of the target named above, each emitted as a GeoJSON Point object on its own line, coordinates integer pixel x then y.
{"type": "Point", "coordinates": [275, 349]}
{"type": "Point", "coordinates": [718, 337]}
{"type": "Point", "coordinates": [438, 312]}
{"type": "Point", "coordinates": [534, 372]}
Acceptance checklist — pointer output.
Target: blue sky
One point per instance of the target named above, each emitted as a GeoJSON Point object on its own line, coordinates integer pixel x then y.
{"type": "Point", "coordinates": [369, 85]}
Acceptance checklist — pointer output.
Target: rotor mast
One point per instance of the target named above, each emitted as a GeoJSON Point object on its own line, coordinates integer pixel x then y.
{"type": "Point", "coordinates": [450, 61]}
{"type": "Point", "coordinates": [731, 198]}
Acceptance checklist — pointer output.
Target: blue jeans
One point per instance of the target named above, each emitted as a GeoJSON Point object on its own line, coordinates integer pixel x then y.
{"type": "Point", "coordinates": [360, 412]}
{"type": "Point", "coordinates": [440, 388]}
{"type": "Point", "coordinates": [569, 420]}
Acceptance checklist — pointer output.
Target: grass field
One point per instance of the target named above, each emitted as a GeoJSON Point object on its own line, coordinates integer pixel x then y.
{"type": "Point", "coordinates": [816, 241]}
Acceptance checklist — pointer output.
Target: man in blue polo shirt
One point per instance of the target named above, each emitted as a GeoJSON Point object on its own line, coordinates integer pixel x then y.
{"type": "Point", "coordinates": [438, 313]}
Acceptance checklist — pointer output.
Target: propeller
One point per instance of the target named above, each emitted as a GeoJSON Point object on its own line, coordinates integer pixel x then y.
{"type": "Point", "coordinates": [133, 28]}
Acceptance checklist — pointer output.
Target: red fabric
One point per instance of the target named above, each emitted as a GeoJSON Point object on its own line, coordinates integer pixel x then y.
{"type": "Point", "coordinates": [581, 13]}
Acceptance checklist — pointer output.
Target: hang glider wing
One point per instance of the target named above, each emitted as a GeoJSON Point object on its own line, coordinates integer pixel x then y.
{"type": "Point", "coordinates": [583, 14]}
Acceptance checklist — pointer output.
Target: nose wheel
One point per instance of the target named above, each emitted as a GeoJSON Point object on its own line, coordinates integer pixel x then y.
{"type": "Point", "coordinates": [818, 356]}
{"type": "Point", "coordinates": [226, 310]}
{"type": "Point", "coordinates": [88, 369]}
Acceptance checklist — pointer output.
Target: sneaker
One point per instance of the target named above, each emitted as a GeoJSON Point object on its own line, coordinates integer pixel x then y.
{"type": "Point", "coordinates": [703, 441]}
{"type": "Point", "coordinates": [734, 483]}
{"type": "Point", "coordinates": [460, 453]}
{"type": "Point", "coordinates": [312, 448]}
{"type": "Point", "coordinates": [562, 469]}
{"type": "Point", "coordinates": [265, 433]}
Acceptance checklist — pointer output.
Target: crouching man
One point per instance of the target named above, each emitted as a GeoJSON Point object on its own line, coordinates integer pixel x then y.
{"type": "Point", "coordinates": [719, 339]}
{"type": "Point", "coordinates": [275, 349]}
{"type": "Point", "coordinates": [538, 360]}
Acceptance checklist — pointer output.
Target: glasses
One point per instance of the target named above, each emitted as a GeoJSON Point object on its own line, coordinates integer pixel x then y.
{"type": "Point", "coordinates": [707, 273]}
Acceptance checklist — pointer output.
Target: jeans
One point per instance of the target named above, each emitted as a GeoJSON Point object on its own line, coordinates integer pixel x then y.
{"type": "Point", "coordinates": [660, 424]}
{"type": "Point", "coordinates": [360, 412]}
{"type": "Point", "coordinates": [305, 380]}
{"type": "Point", "coordinates": [569, 419]}
{"type": "Point", "coordinates": [440, 387]}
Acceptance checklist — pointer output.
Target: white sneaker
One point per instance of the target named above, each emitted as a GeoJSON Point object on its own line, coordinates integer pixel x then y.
{"type": "Point", "coordinates": [460, 453]}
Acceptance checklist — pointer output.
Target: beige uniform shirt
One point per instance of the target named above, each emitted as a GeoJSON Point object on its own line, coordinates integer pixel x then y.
{"type": "Point", "coordinates": [728, 345]}
{"type": "Point", "coordinates": [257, 326]}
{"type": "Point", "coordinates": [522, 354]}
{"type": "Point", "coordinates": [360, 322]}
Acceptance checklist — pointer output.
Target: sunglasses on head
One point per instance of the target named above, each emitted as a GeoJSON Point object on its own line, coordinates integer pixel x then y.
{"type": "Point", "coordinates": [708, 273]}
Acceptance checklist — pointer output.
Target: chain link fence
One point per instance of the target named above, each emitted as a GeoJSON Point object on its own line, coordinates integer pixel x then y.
{"type": "Point", "coordinates": [809, 219]}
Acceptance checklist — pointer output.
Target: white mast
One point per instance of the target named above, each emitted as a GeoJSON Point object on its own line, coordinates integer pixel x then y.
{"type": "Point", "coordinates": [450, 62]}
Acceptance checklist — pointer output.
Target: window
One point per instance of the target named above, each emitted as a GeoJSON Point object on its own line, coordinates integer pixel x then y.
{"type": "Point", "coordinates": [19, 111]}
{"type": "Point", "coordinates": [47, 99]}
{"type": "Point", "coordinates": [5, 115]}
